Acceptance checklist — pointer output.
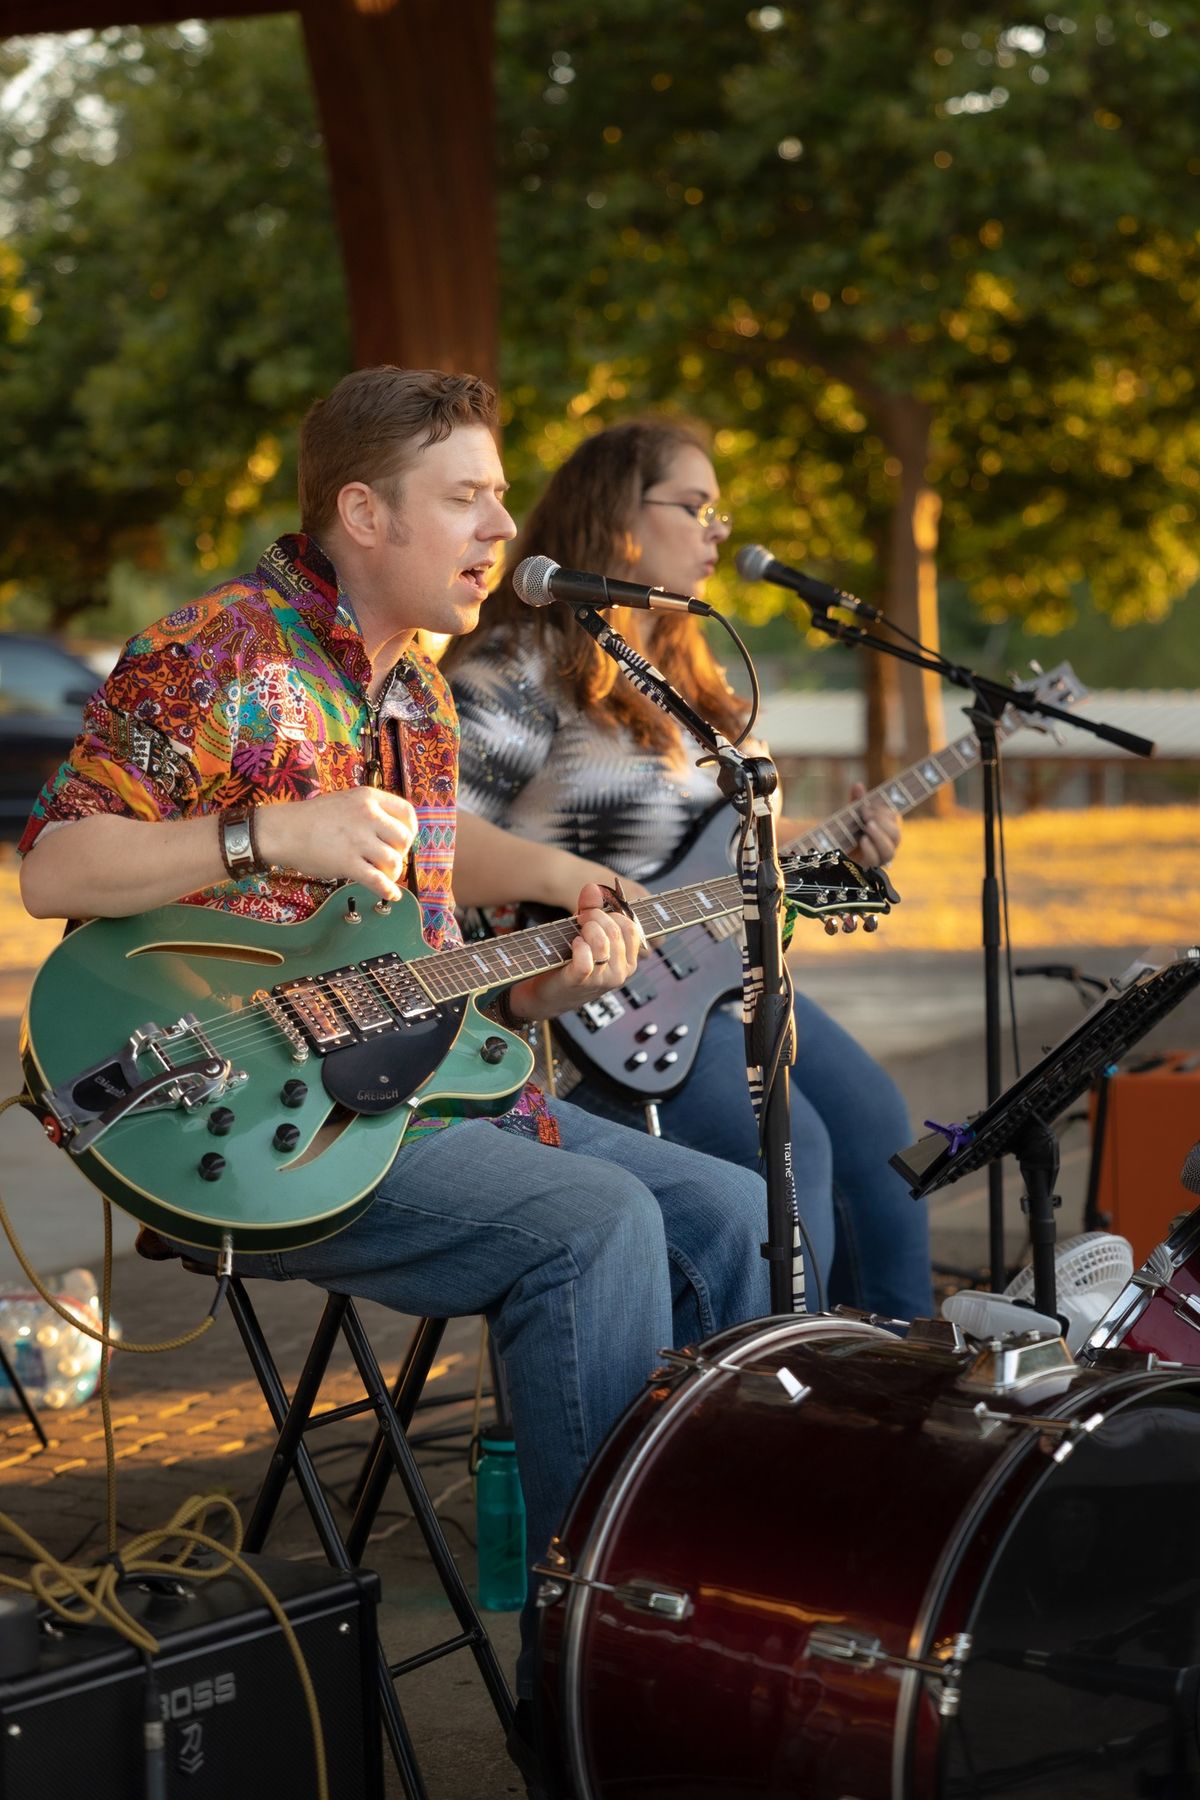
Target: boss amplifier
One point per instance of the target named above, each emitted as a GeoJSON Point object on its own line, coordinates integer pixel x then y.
{"type": "Point", "coordinates": [236, 1726]}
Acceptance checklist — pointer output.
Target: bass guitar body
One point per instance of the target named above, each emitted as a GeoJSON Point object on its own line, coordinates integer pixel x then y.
{"type": "Point", "coordinates": [643, 1037]}
{"type": "Point", "coordinates": [234, 1083]}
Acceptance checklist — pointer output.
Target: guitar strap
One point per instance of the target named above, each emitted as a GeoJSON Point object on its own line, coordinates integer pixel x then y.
{"type": "Point", "coordinates": [753, 986]}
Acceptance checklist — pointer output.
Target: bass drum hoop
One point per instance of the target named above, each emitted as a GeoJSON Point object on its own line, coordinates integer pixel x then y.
{"type": "Point", "coordinates": [1136, 1297]}
{"type": "Point", "coordinates": [666, 1420]}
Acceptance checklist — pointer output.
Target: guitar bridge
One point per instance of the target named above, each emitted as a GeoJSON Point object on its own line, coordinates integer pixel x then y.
{"type": "Point", "coordinates": [147, 1075]}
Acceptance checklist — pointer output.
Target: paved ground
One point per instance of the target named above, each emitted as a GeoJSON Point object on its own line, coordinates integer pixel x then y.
{"type": "Point", "coordinates": [192, 1422]}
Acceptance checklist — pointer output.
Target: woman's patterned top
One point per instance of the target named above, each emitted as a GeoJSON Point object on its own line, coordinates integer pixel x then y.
{"type": "Point", "coordinates": [533, 761]}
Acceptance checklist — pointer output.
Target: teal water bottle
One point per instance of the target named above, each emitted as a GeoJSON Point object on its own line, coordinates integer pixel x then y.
{"type": "Point", "coordinates": [500, 1525]}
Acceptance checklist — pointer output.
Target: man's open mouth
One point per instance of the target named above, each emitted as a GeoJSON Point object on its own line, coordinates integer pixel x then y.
{"type": "Point", "coordinates": [476, 577]}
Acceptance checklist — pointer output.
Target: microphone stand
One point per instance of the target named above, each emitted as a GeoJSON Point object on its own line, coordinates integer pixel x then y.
{"type": "Point", "coordinates": [990, 700]}
{"type": "Point", "coordinates": [747, 783]}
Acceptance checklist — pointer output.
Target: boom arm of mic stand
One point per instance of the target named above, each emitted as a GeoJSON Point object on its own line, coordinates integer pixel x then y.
{"type": "Point", "coordinates": [747, 782]}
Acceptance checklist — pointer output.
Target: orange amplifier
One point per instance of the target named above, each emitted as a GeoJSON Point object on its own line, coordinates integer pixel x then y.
{"type": "Point", "coordinates": [1150, 1120]}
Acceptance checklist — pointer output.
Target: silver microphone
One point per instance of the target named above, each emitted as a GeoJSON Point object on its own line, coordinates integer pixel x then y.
{"type": "Point", "coordinates": [539, 581]}
{"type": "Point", "coordinates": [754, 562]}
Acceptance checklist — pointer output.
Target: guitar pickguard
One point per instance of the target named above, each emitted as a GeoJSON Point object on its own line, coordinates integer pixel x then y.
{"type": "Point", "coordinates": [384, 1072]}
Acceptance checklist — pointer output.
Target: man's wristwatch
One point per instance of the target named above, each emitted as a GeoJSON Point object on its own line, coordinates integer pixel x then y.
{"type": "Point", "coordinates": [239, 848]}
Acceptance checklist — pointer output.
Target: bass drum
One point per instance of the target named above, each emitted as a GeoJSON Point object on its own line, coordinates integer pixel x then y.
{"type": "Point", "coordinates": [1157, 1312]}
{"type": "Point", "coordinates": [818, 1560]}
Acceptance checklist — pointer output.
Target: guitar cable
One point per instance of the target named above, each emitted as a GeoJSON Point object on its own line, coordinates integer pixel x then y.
{"type": "Point", "coordinates": [94, 1589]}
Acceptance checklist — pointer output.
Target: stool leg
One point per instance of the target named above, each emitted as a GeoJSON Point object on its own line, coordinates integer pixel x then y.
{"type": "Point", "coordinates": [428, 1521]}
{"type": "Point", "coordinates": [394, 1724]}
{"type": "Point", "coordinates": [377, 1467]}
{"type": "Point", "coordinates": [290, 1418]}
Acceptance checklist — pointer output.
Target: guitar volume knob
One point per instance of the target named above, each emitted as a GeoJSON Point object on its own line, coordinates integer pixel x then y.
{"type": "Point", "coordinates": [666, 1059]}
{"type": "Point", "coordinates": [647, 1031]}
{"type": "Point", "coordinates": [636, 1060]}
{"type": "Point", "coordinates": [211, 1166]}
{"type": "Point", "coordinates": [220, 1121]}
{"type": "Point", "coordinates": [286, 1137]}
{"type": "Point", "coordinates": [676, 1032]}
{"type": "Point", "coordinates": [294, 1092]}
{"type": "Point", "coordinates": [493, 1050]}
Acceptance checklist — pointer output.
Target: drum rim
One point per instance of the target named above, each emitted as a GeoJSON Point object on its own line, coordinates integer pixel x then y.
{"type": "Point", "coordinates": [1135, 1297]}
{"type": "Point", "coordinates": [697, 1383]}
{"type": "Point", "coordinates": [1115, 1389]}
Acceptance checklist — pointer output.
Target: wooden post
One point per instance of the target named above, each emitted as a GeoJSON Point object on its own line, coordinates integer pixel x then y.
{"type": "Point", "coordinates": [405, 94]}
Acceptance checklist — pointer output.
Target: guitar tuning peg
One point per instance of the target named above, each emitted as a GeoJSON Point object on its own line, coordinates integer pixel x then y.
{"type": "Point", "coordinates": [831, 928]}
{"type": "Point", "coordinates": [870, 923]}
{"type": "Point", "coordinates": [849, 923]}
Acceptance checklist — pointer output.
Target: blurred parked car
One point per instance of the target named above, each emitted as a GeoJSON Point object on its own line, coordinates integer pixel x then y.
{"type": "Point", "coordinates": [42, 690]}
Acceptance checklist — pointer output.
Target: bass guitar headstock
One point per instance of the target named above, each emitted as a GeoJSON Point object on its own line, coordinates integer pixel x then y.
{"type": "Point", "coordinates": [825, 884]}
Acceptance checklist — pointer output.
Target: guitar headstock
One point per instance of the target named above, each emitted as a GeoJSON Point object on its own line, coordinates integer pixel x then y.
{"type": "Point", "coordinates": [824, 884]}
{"type": "Point", "coordinates": [1059, 686]}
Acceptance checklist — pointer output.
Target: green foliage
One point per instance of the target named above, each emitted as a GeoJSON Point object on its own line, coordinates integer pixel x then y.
{"type": "Point", "coordinates": [800, 220]}
{"type": "Point", "coordinates": [172, 302]}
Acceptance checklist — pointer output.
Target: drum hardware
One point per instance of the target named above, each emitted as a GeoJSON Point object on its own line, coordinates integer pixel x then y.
{"type": "Point", "coordinates": [939, 1334]}
{"type": "Point", "coordinates": [1155, 1277]}
{"type": "Point", "coordinates": [1134, 1362]}
{"type": "Point", "coordinates": [1072, 1429]}
{"type": "Point", "coordinates": [1003, 1364]}
{"type": "Point", "coordinates": [945, 1668]}
{"type": "Point", "coordinates": [842, 1311]}
{"type": "Point", "coordinates": [635, 1596]}
{"type": "Point", "coordinates": [793, 1390]}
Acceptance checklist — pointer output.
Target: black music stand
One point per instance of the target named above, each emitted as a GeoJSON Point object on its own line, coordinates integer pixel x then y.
{"type": "Point", "coordinates": [1020, 1120]}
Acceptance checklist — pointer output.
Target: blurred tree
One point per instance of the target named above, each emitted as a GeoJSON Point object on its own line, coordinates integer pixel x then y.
{"type": "Point", "coordinates": [933, 272]}
{"type": "Point", "coordinates": [170, 300]}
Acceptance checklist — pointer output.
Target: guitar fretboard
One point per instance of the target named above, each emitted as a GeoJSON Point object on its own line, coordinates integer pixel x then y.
{"type": "Point", "coordinates": [843, 830]}
{"type": "Point", "coordinates": [497, 962]}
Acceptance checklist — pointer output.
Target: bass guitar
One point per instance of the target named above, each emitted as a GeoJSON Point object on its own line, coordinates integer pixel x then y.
{"type": "Point", "coordinates": [643, 1038]}
{"type": "Point", "coordinates": [266, 1106]}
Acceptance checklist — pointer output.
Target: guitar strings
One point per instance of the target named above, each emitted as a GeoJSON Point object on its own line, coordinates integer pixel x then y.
{"type": "Point", "coordinates": [253, 1022]}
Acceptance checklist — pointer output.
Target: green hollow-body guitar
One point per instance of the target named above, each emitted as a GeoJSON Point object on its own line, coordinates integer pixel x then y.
{"type": "Point", "coordinates": [245, 1085]}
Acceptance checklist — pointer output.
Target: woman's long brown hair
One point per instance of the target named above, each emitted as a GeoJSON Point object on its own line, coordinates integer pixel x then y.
{"type": "Point", "coordinates": [584, 520]}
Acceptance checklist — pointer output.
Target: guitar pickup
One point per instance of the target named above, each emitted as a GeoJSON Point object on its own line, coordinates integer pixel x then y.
{"type": "Point", "coordinates": [101, 1096]}
{"type": "Point", "coordinates": [596, 1014]}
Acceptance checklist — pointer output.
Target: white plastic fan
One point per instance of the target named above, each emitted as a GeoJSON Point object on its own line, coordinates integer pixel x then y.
{"type": "Point", "coordinates": [1090, 1270]}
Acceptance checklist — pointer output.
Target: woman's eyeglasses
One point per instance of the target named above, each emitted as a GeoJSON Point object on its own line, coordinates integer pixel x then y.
{"type": "Point", "coordinates": [706, 515]}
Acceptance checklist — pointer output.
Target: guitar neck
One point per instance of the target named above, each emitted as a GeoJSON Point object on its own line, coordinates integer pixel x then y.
{"type": "Point", "coordinates": [843, 830]}
{"type": "Point", "coordinates": [517, 955]}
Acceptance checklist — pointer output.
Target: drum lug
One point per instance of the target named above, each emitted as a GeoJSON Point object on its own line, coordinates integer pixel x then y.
{"type": "Point", "coordinates": [945, 1666]}
{"type": "Point", "coordinates": [555, 1570]}
{"type": "Point", "coordinates": [635, 1596]}
{"type": "Point", "coordinates": [1004, 1364]}
{"type": "Point", "coordinates": [1072, 1429]}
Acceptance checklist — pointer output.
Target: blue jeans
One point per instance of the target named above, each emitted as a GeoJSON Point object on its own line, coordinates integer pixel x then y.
{"type": "Point", "coordinates": [586, 1261]}
{"type": "Point", "coordinates": [869, 1237]}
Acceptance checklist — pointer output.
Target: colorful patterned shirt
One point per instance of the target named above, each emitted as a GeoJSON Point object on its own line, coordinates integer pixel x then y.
{"type": "Point", "coordinates": [258, 692]}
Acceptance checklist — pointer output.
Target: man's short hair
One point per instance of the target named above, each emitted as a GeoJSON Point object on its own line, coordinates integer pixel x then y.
{"type": "Point", "coordinates": [372, 426]}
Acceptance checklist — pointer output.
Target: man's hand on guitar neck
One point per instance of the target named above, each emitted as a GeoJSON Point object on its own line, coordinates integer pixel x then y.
{"type": "Point", "coordinates": [603, 957]}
